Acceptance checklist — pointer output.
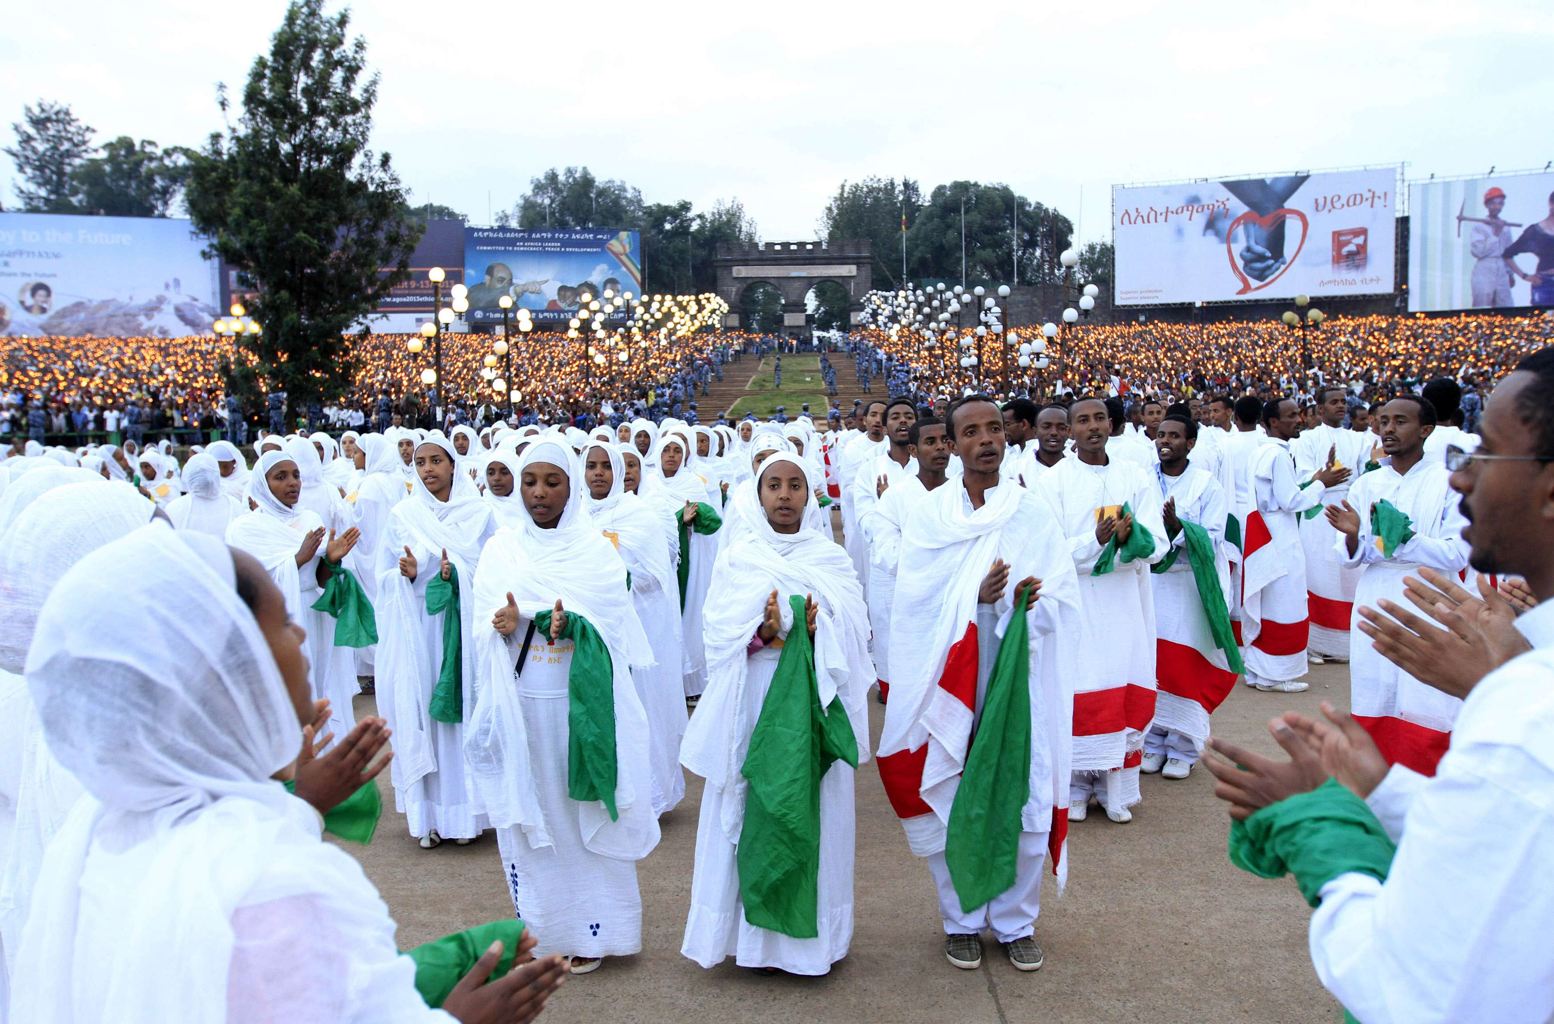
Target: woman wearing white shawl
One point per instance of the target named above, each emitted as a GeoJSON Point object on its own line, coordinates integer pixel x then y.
{"type": "Point", "coordinates": [501, 474]}
{"type": "Point", "coordinates": [636, 528]}
{"type": "Point", "coordinates": [570, 863]}
{"type": "Point", "coordinates": [337, 470]}
{"type": "Point", "coordinates": [160, 690]}
{"type": "Point", "coordinates": [295, 547]}
{"type": "Point", "coordinates": [744, 508]}
{"type": "Point", "coordinates": [205, 507]}
{"type": "Point", "coordinates": [157, 478]}
{"type": "Point", "coordinates": [471, 459]}
{"type": "Point", "coordinates": [235, 480]}
{"type": "Point", "coordinates": [46, 537]}
{"type": "Point", "coordinates": [779, 556]}
{"type": "Point", "coordinates": [379, 488]}
{"type": "Point", "coordinates": [677, 485]}
{"type": "Point", "coordinates": [644, 438]}
{"type": "Point", "coordinates": [317, 494]}
{"type": "Point", "coordinates": [425, 691]}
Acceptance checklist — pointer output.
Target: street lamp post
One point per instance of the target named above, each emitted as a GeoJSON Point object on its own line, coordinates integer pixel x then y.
{"type": "Point", "coordinates": [441, 317]}
{"type": "Point", "coordinates": [1302, 319]}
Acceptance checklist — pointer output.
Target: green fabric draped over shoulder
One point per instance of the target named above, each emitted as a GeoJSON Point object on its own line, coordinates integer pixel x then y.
{"type": "Point", "coordinates": [1314, 836]}
{"type": "Point", "coordinates": [1140, 544]}
{"type": "Point", "coordinates": [344, 600]}
{"type": "Point", "coordinates": [355, 818]}
{"type": "Point", "coordinates": [794, 744]}
{"type": "Point", "coordinates": [1200, 554]}
{"type": "Point", "coordinates": [983, 843]}
{"type": "Point", "coordinates": [706, 523]}
{"type": "Point", "coordinates": [591, 758]}
{"type": "Point", "coordinates": [440, 964]}
{"type": "Point", "coordinates": [442, 597]}
{"type": "Point", "coordinates": [1390, 526]}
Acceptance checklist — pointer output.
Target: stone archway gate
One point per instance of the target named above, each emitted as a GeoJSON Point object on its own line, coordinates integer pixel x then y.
{"type": "Point", "coordinates": [793, 268]}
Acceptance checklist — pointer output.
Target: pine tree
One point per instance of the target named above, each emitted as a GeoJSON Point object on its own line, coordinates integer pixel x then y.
{"type": "Point", "coordinates": [51, 145]}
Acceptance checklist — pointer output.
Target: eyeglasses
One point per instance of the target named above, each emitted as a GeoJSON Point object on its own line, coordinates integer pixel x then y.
{"type": "Point", "coordinates": [1457, 459]}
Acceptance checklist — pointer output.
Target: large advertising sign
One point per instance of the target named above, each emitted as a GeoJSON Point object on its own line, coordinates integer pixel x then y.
{"type": "Point", "coordinates": [546, 272]}
{"type": "Point", "coordinates": [1256, 238]}
{"type": "Point", "coordinates": [106, 276]}
{"type": "Point", "coordinates": [1481, 243]}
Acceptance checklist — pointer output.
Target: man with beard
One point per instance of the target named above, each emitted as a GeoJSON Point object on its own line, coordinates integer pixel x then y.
{"type": "Point", "coordinates": [1196, 660]}
{"type": "Point", "coordinates": [1275, 622]}
{"type": "Point", "coordinates": [1446, 925]}
{"type": "Point", "coordinates": [887, 468]}
{"type": "Point", "coordinates": [1329, 583]}
{"type": "Point", "coordinates": [1108, 509]}
{"type": "Point", "coordinates": [1048, 451]}
{"type": "Point", "coordinates": [1403, 516]}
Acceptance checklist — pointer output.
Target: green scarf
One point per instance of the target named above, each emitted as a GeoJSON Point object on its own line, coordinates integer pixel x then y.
{"type": "Point", "coordinates": [344, 599]}
{"type": "Point", "coordinates": [1313, 511]}
{"type": "Point", "coordinates": [442, 963]}
{"type": "Point", "coordinates": [706, 523]}
{"type": "Point", "coordinates": [356, 817]}
{"type": "Point", "coordinates": [591, 767]}
{"type": "Point", "coordinates": [1200, 553]}
{"type": "Point", "coordinates": [794, 744]}
{"type": "Point", "coordinates": [1390, 526]}
{"type": "Point", "coordinates": [442, 595]}
{"type": "Point", "coordinates": [1233, 530]}
{"type": "Point", "coordinates": [1314, 836]}
{"type": "Point", "coordinates": [983, 844]}
{"type": "Point", "coordinates": [1140, 544]}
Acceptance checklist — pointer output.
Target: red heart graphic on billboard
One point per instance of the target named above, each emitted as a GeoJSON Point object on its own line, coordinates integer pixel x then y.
{"type": "Point", "coordinates": [1267, 222]}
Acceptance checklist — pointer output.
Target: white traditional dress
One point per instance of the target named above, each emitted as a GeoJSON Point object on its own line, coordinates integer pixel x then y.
{"type": "Point", "coordinates": [1330, 582]}
{"type": "Point", "coordinates": [1275, 618]}
{"type": "Point", "coordinates": [700, 550]}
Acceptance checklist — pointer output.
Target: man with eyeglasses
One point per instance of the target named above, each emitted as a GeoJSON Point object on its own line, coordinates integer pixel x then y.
{"type": "Point", "coordinates": [1451, 924]}
{"type": "Point", "coordinates": [1397, 519]}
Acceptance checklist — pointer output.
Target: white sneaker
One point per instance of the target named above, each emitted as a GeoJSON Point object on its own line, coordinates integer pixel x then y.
{"type": "Point", "coordinates": [1176, 768]}
{"type": "Point", "coordinates": [1287, 686]}
{"type": "Point", "coordinates": [1121, 815]}
{"type": "Point", "coordinates": [431, 840]}
{"type": "Point", "coordinates": [1078, 809]}
{"type": "Point", "coordinates": [1152, 763]}
{"type": "Point", "coordinates": [1316, 659]}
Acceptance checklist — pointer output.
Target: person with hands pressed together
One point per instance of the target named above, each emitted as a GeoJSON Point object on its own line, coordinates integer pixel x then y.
{"type": "Point", "coordinates": [300, 554]}
{"type": "Point", "coordinates": [777, 737]}
{"type": "Point", "coordinates": [1396, 520]}
{"type": "Point", "coordinates": [1449, 926]}
{"type": "Point", "coordinates": [557, 743]}
{"type": "Point", "coordinates": [1330, 582]}
{"type": "Point", "coordinates": [1108, 508]}
{"type": "Point", "coordinates": [984, 812]}
{"type": "Point", "coordinates": [426, 661]}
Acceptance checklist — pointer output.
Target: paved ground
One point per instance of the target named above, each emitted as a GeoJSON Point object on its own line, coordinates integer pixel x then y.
{"type": "Point", "coordinates": [1156, 926]}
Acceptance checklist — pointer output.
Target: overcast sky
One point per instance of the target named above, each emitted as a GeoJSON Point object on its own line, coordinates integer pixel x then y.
{"type": "Point", "coordinates": [777, 103]}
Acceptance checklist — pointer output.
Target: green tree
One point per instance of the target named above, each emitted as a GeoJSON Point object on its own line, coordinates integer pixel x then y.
{"type": "Point", "coordinates": [995, 217]}
{"type": "Point", "coordinates": [132, 179]}
{"type": "Point", "coordinates": [874, 208]}
{"type": "Point", "coordinates": [435, 211]}
{"type": "Point", "coordinates": [572, 197]}
{"type": "Point", "coordinates": [831, 301]}
{"type": "Point", "coordinates": [725, 223]}
{"type": "Point", "coordinates": [760, 308]}
{"type": "Point", "coordinates": [667, 248]}
{"type": "Point", "coordinates": [1097, 264]}
{"type": "Point", "coordinates": [51, 145]}
{"type": "Point", "coordinates": [295, 199]}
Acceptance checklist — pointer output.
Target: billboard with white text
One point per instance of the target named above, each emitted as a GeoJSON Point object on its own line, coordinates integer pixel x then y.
{"type": "Point", "coordinates": [104, 276]}
{"type": "Point", "coordinates": [1481, 243]}
{"type": "Point", "coordinates": [1333, 233]}
{"type": "Point", "coordinates": [547, 271]}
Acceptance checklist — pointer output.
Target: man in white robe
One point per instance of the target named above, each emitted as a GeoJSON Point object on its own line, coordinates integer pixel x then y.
{"type": "Point", "coordinates": [968, 553]}
{"type": "Point", "coordinates": [894, 464]}
{"type": "Point", "coordinates": [1100, 502]}
{"type": "Point", "coordinates": [1410, 721]}
{"type": "Point", "coordinates": [858, 453]}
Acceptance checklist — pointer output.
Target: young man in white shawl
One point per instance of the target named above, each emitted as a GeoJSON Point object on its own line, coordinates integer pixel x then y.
{"type": "Point", "coordinates": [929, 444]}
{"type": "Point", "coordinates": [301, 556]}
{"type": "Point", "coordinates": [1108, 508]}
{"type": "Point", "coordinates": [636, 530]}
{"type": "Point", "coordinates": [1196, 656]}
{"type": "Point", "coordinates": [558, 744]}
{"type": "Point", "coordinates": [972, 554]}
{"type": "Point", "coordinates": [858, 452]}
{"type": "Point", "coordinates": [201, 825]}
{"type": "Point", "coordinates": [1403, 517]}
{"type": "Point", "coordinates": [894, 464]}
{"type": "Point", "coordinates": [777, 736]}
{"type": "Point", "coordinates": [679, 486]}
{"type": "Point", "coordinates": [427, 658]}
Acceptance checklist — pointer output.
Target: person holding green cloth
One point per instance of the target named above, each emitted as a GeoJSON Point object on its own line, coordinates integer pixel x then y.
{"type": "Point", "coordinates": [1396, 520]}
{"type": "Point", "coordinates": [426, 662]}
{"type": "Point", "coordinates": [777, 737]}
{"type": "Point", "coordinates": [558, 741]}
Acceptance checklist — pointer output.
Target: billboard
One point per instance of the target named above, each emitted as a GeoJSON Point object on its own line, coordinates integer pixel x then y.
{"type": "Point", "coordinates": [442, 245]}
{"type": "Point", "coordinates": [1333, 233]}
{"type": "Point", "coordinates": [1481, 243]}
{"type": "Point", "coordinates": [105, 276]}
{"type": "Point", "coordinates": [545, 271]}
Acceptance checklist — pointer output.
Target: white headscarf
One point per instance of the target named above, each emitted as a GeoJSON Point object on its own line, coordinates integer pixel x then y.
{"type": "Point", "coordinates": [686, 484]}
{"type": "Point", "coordinates": [509, 510]}
{"type": "Point", "coordinates": [318, 494]}
{"type": "Point", "coordinates": [638, 526]}
{"type": "Point", "coordinates": [206, 507]}
{"type": "Point", "coordinates": [158, 691]}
